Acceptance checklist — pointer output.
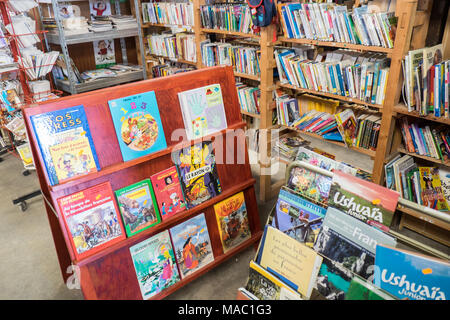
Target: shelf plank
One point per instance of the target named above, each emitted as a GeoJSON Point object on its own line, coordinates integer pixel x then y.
{"type": "Point", "coordinates": [231, 33]}
{"type": "Point", "coordinates": [402, 109]}
{"type": "Point", "coordinates": [251, 114]}
{"type": "Point", "coordinates": [150, 55]}
{"type": "Point", "coordinates": [247, 76]}
{"type": "Point", "coordinates": [424, 217]}
{"type": "Point", "coordinates": [413, 154]}
{"type": "Point", "coordinates": [92, 36]}
{"type": "Point", "coordinates": [149, 24]}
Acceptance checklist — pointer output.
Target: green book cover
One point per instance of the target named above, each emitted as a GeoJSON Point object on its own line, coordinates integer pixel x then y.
{"type": "Point", "coordinates": [363, 290]}
{"type": "Point", "coordinates": [137, 207]}
{"type": "Point", "coordinates": [409, 176]}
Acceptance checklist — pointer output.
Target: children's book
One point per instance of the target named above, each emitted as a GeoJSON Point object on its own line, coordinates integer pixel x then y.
{"type": "Point", "coordinates": [203, 111]}
{"type": "Point", "coordinates": [232, 221]}
{"type": "Point", "coordinates": [197, 170]}
{"type": "Point", "coordinates": [333, 280]}
{"type": "Point", "coordinates": [347, 126]}
{"type": "Point", "coordinates": [65, 143]}
{"type": "Point", "coordinates": [360, 289]}
{"type": "Point", "coordinates": [192, 245]}
{"type": "Point", "coordinates": [104, 53]}
{"type": "Point", "coordinates": [10, 99]}
{"type": "Point", "coordinates": [309, 184]}
{"type": "Point", "coordinates": [91, 218]}
{"type": "Point", "coordinates": [322, 161]}
{"type": "Point", "coordinates": [169, 196]}
{"type": "Point", "coordinates": [432, 193]}
{"type": "Point", "coordinates": [407, 274]}
{"type": "Point", "coordinates": [138, 207]}
{"type": "Point", "coordinates": [155, 265]}
{"type": "Point", "coordinates": [138, 125]}
{"type": "Point", "coordinates": [99, 8]}
{"type": "Point", "coordinates": [444, 175]}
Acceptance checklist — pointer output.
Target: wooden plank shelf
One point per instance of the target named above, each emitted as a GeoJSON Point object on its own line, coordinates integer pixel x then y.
{"type": "Point", "coordinates": [251, 114]}
{"type": "Point", "coordinates": [149, 24]}
{"type": "Point", "coordinates": [431, 159]}
{"type": "Point", "coordinates": [247, 76]}
{"type": "Point", "coordinates": [424, 217]}
{"type": "Point", "coordinates": [150, 55]}
{"type": "Point", "coordinates": [231, 33]}
{"type": "Point", "coordinates": [402, 109]}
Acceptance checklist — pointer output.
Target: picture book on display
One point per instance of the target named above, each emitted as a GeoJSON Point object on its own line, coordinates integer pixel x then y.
{"type": "Point", "coordinates": [203, 111]}
{"type": "Point", "coordinates": [310, 184]}
{"type": "Point", "coordinates": [192, 245]}
{"type": "Point", "coordinates": [138, 207]}
{"type": "Point", "coordinates": [197, 172]}
{"type": "Point", "coordinates": [138, 125]}
{"type": "Point", "coordinates": [350, 242]}
{"type": "Point", "coordinates": [155, 265]}
{"type": "Point", "coordinates": [169, 196]}
{"type": "Point", "coordinates": [363, 290]}
{"type": "Point", "coordinates": [65, 143]}
{"type": "Point", "coordinates": [232, 221]}
{"type": "Point", "coordinates": [407, 274]}
{"type": "Point", "coordinates": [346, 122]}
{"type": "Point", "coordinates": [364, 200]}
{"type": "Point", "coordinates": [432, 195]}
{"type": "Point", "coordinates": [333, 280]}
{"type": "Point", "coordinates": [91, 218]}
{"type": "Point", "coordinates": [322, 161]}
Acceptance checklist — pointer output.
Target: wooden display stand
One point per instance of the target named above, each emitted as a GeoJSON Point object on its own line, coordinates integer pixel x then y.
{"type": "Point", "coordinates": [109, 274]}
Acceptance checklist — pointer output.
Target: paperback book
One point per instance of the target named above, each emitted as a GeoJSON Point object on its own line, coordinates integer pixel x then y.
{"type": "Point", "coordinates": [333, 280]}
{"type": "Point", "coordinates": [322, 161]}
{"type": "Point", "coordinates": [137, 206]}
{"type": "Point", "coordinates": [432, 194]}
{"type": "Point", "coordinates": [346, 122]}
{"type": "Point", "coordinates": [312, 185]}
{"type": "Point", "coordinates": [192, 245]}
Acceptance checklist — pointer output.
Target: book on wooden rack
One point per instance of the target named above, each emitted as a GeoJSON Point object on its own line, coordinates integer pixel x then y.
{"type": "Point", "coordinates": [163, 70]}
{"type": "Point", "coordinates": [173, 46]}
{"type": "Point", "coordinates": [309, 156]}
{"type": "Point", "coordinates": [227, 16]}
{"type": "Point", "coordinates": [170, 13]}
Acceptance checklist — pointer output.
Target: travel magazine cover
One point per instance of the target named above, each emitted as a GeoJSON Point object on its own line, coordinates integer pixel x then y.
{"type": "Point", "coordinates": [333, 280]}
{"type": "Point", "coordinates": [137, 206]}
{"type": "Point", "coordinates": [232, 221]}
{"type": "Point", "coordinates": [65, 143]}
{"type": "Point", "coordinates": [138, 125]}
{"type": "Point", "coordinates": [169, 195]}
{"type": "Point", "coordinates": [155, 265]}
{"type": "Point", "coordinates": [192, 245]}
{"type": "Point", "coordinates": [92, 220]}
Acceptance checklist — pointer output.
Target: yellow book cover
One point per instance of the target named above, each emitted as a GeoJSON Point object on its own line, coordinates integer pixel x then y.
{"type": "Point", "coordinates": [232, 221]}
{"type": "Point", "coordinates": [25, 154]}
{"type": "Point", "coordinates": [72, 158]}
{"type": "Point", "coordinates": [297, 264]}
{"type": "Point", "coordinates": [431, 189]}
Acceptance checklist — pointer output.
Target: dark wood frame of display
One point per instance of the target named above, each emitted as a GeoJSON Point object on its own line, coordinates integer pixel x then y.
{"type": "Point", "coordinates": [109, 274]}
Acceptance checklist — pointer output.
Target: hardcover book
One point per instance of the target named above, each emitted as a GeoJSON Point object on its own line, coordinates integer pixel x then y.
{"type": "Point", "coordinates": [333, 280]}
{"type": "Point", "coordinates": [197, 170]}
{"type": "Point", "coordinates": [137, 206]}
{"type": "Point", "coordinates": [406, 274]}
{"type": "Point", "coordinates": [65, 143]}
{"type": "Point", "coordinates": [430, 184]}
{"type": "Point", "coordinates": [169, 196]}
{"type": "Point", "coordinates": [138, 125]}
{"type": "Point", "coordinates": [91, 218]}
{"type": "Point", "coordinates": [232, 221]}
{"type": "Point", "coordinates": [203, 111]}
{"type": "Point", "coordinates": [347, 126]}
{"type": "Point", "coordinates": [362, 290]}
{"type": "Point", "coordinates": [192, 245]}
{"type": "Point", "coordinates": [155, 265]}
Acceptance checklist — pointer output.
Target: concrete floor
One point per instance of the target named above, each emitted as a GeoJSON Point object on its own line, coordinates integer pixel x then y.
{"type": "Point", "coordinates": [30, 267]}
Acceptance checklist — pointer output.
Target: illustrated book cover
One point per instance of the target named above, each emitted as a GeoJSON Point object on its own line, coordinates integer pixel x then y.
{"type": "Point", "coordinates": [310, 184]}
{"type": "Point", "coordinates": [92, 220]}
{"type": "Point", "coordinates": [432, 194]}
{"type": "Point", "coordinates": [169, 195]}
{"type": "Point", "coordinates": [197, 171]}
{"type": "Point", "coordinates": [65, 143]}
{"type": "Point", "coordinates": [322, 161]}
{"type": "Point", "coordinates": [138, 125]}
{"type": "Point", "coordinates": [360, 289]}
{"type": "Point", "coordinates": [155, 265]}
{"type": "Point", "coordinates": [406, 274]}
{"type": "Point", "coordinates": [137, 207]}
{"type": "Point", "coordinates": [347, 126]}
{"type": "Point", "coordinates": [232, 221]}
{"type": "Point", "coordinates": [192, 245]}
{"type": "Point", "coordinates": [104, 53]}
{"type": "Point", "coordinates": [203, 111]}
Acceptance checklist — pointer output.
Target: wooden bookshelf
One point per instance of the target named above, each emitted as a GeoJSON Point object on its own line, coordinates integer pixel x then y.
{"type": "Point", "coordinates": [149, 56]}
{"type": "Point", "coordinates": [430, 159]}
{"type": "Point", "coordinates": [231, 33]}
{"type": "Point", "coordinates": [402, 109]}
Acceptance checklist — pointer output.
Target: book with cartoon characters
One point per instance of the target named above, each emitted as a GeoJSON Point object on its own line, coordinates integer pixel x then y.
{"type": "Point", "coordinates": [138, 208]}
{"type": "Point", "coordinates": [138, 125]}
{"type": "Point", "coordinates": [91, 218]}
{"type": "Point", "coordinates": [203, 111]}
{"type": "Point", "coordinates": [65, 143]}
{"type": "Point", "coordinates": [197, 170]}
{"type": "Point", "coordinates": [155, 265]}
{"type": "Point", "coordinates": [168, 193]}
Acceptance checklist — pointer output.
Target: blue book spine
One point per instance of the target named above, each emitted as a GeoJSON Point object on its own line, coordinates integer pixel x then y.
{"type": "Point", "coordinates": [376, 75]}
{"type": "Point", "coordinates": [286, 20]}
{"type": "Point", "coordinates": [341, 81]}
{"type": "Point", "coordinates": [424, 142]}
{"type": "Point", "coordinates": [411, 131]}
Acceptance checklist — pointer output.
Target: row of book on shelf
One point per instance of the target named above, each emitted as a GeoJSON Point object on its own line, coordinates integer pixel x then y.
{"type": "Point", "coordinates": [337, 245]}
{"type": "Point", "coordinates": [426, 81]}
{"type": "Point", "coordinates": [169, 13]}
{"type": "Point", "coordinates": [341, 72]}
{"type": "Point", "coordinates": [234, 17]}
{"type": "Point", "coordinates": [166, 69]}
{"type": "Point", "coordinates": [173, 46]}
{"type": "Point", "coordinates": [331, 22]}
{"type": "Point", "coordinates": [248, 97]}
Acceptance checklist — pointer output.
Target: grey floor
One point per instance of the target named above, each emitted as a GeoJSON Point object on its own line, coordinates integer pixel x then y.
{"type": "Point", "coordinates": [29, 266]}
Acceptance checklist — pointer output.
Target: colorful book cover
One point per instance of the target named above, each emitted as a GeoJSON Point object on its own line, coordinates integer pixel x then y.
{"type": "Point", "coordinates": [350, 242]}
{"type": "Point", "coordinates": [406, 274]}
{"type": "Point", "coordinates": [10, 100]}
{"type": "Point", "coordinates": [313, 186]}
{"type": "Point", "coordinates": [366, 201]}
{"type": "Point", "coordinates": [104, 53]}
{"type": "Point", "coordinates": [155, 265]}
{"type": "Point", "coordinates": [169, 195]}
{"type": "Point", "coordinates": [432, 194]}
{"type": "Point", "coordinates": [297, 217]}
{"type": "Point", "coordinates": [333, 280]}
{"type": "Point", "coordinates": [91, 218]}
{"type": "Point", "coordinates": [138, 125]}
{"type": "Point", "coordinates": [197, 172]}
{"type": "Point", "coordinates": [323, 161]}
{"type": "Point", "coordinates": [266, 286]}
{"type": "Point", "coordinates": [192, 245]}
{"type": "Point", "coordinates": [347, 126]}
{"type": "Point", "coordinates": [362, 290]}
{"type": "Point", "coordinates": [444, 175]}
{"type": "Point", "coordinates": [203, 111]}
{"type": "Point", "coordinates": [232, 221]}
{"type": "Point", "coordinates": [63, 126]}
{"type": "Point", "coordinates": [137, 206]}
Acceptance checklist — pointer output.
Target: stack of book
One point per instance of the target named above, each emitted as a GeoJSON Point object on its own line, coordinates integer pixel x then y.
{"type": "Point", "coordinates": [174, 46]}
{"type": "Point", "coordinates": [230, 17]}
{"type": "Point", "coordinates": [341, 72]}
{"type": "Point", "coordinates": [166, 69]}
{"type": "Point", "coordinates": [431, 141]}
{"type": "Point", "coordinates": [171, 13]}
{"type": "Point", "coordinates": [248, 98]}
{"type": "Point", "coordinates": [330, 22]}
{"type": "Point", "coordinates": [426, 81]}
{"type": "Point", "coordinates": [100, 24]}
{"type": "Point", "coordinates": [287, 147]}
{"type": "Point", "coordinates": [122, 22]}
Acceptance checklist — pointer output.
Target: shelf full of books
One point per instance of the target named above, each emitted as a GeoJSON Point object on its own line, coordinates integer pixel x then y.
{"type": "Point", "coordinates": [119, 187]}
